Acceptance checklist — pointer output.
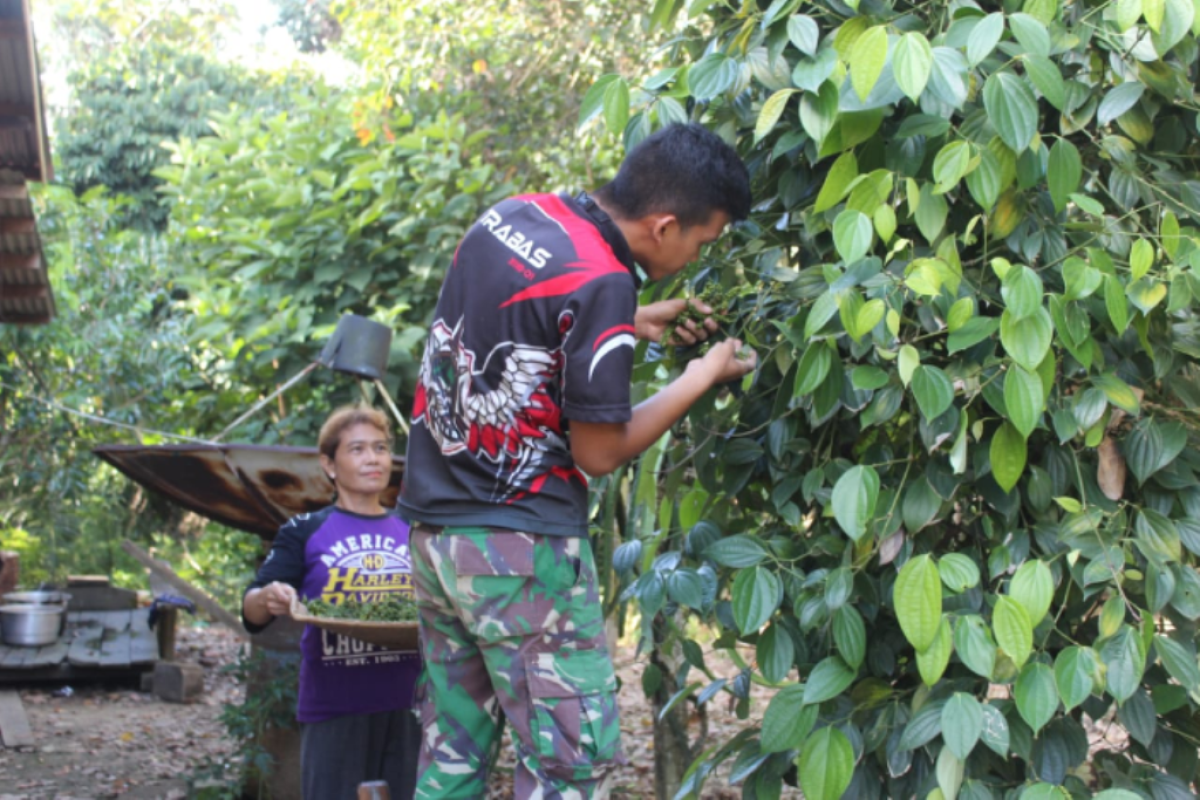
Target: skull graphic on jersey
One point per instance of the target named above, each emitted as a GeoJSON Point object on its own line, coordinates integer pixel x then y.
{"type": "Point", "coordinates": [511, 420]}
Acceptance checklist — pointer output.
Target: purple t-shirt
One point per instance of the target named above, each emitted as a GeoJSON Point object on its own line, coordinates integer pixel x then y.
{"type": "Point", "coordinates": [334, 555]}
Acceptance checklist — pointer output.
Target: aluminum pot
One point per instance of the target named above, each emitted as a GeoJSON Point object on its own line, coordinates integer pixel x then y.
{"type": "Point", "coordinates": [38, 598]}
{"type": "Point", "coordinates": [29, 625]}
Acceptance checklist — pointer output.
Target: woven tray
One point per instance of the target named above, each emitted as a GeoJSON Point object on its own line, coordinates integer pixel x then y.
{"type": "Point", "coordinates": [396, 635]}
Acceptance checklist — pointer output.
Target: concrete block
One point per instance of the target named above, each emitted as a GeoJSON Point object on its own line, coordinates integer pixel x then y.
{"type": "Point", "coordinates": [176, 682]}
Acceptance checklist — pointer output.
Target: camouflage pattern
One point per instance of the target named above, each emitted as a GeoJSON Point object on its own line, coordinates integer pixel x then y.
{"type": "Point", "coordinates": [511, 626]}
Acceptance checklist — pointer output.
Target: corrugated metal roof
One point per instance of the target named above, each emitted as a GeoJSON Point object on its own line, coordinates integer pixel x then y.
{"type": "Point", "coordinates": [254, 488]}
{"type": "Point", "coordinates": [25, 296]}
{"type": "Point", "coordinates": [23, 145]}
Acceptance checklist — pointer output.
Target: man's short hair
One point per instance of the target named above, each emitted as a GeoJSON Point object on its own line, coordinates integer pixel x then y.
{"type": "Point", "coordinates": [685, 170]}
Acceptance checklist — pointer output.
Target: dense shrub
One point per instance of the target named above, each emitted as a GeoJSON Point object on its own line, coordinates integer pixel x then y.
{"type": "Point", "coordinates": [955, 512]}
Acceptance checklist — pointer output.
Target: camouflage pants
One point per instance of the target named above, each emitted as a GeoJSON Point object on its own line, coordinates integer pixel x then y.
{"type": "Point", "coordinates": [511, 622]}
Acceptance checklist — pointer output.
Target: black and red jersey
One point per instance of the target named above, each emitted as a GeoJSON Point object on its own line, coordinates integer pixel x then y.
{"type": "Point", "coordinates": [533, 327]}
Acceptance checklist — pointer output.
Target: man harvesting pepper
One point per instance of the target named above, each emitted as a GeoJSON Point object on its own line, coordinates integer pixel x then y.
{"type": "Point", "coordinates": [524, 383]}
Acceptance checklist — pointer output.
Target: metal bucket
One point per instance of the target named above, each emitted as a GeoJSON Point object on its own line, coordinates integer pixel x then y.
{"type": "Point", "coordinates": [28, 625]}
{"type": "Point", "coordinates": [359, 346]}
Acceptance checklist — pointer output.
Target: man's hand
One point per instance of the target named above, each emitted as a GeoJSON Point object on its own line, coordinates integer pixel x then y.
{"type": "Point", "coordinates": [651, 322]}
{"type": "Point", "coordinates": [599, 448]}
{"type": "Point", "coordinates": [723, 363]}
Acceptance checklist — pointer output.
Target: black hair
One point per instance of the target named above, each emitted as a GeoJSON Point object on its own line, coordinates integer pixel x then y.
{"type": "Point", "coordinates": [685, 170]}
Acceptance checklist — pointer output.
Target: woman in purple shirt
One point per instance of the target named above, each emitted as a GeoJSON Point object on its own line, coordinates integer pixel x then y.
{"type": "Point", "coordinates": [356, 699]}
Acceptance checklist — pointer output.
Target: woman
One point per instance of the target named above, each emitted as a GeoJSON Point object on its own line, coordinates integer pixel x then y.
{"type": "Point", "coordinates": [356, 699]}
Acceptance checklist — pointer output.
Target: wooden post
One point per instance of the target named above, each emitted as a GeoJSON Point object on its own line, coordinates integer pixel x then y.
{"type": "Point", "coordinates": [193, 593]}
{"type": "Point", "coordinates": [168, 616]}
{"type": "Point", "coordinates": [374, 790]}
{"type": "Point", "coordinates": [10, 570]}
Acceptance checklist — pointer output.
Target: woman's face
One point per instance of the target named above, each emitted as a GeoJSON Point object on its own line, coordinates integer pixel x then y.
{"type": "Point", "coordinates": [363, 462]}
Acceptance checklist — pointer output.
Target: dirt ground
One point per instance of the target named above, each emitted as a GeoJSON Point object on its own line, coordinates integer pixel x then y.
{"type": "Point", "coordinates": [113, 741]}
{"type": "Point", "coordinates": [109, 740]}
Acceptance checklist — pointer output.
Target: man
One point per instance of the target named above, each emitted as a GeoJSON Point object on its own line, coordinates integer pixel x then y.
{"type": "Point", "coordinates": [525, 382]}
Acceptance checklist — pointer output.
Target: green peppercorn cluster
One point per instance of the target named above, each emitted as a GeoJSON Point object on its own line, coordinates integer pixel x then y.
{"type": "Point", "coordinates": [717, 298]}
{"type": "Point", "coordinates": [711, 296]}
{"type": "Point", "coordinates": [394, 609]}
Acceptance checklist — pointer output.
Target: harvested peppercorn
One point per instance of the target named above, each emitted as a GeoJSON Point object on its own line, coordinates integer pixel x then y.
{"type": "Point", "coordinates": [393, 609]}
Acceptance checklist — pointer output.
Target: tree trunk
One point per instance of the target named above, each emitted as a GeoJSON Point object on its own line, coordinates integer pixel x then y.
{"type": "Point", "coordinates": [673, 753]}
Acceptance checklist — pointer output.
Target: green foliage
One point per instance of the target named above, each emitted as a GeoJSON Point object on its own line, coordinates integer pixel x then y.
{"type": "Point", "coordinates": [283, 224]}
{"type": "Point", "coordinates": [272, 681]}
{"type": "Point", "coordinates": [309, 22]}
{"type": "Point", "coordinates": [294, 207]}
{"type": "Point", "coordinates": [32, 554]}
{"type": "Point", "coordinates": [221, 560]}
{"type": "Point", "coordinates": [82, 29]}
{"type": "Point", "coordinates": [1012, 191]}
{"type": "Point", "coordinates": [128, 106]}
{"type": "Point", "coordinates": [116, 348]}
{"type": "Point", "coordinates": [491, 62]}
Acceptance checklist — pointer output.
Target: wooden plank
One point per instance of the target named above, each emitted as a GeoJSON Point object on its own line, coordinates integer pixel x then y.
{"type": "Point", "coordinates": [48, 655]}
{"type": "Point", "coordinates": [193, 593]}
{"type": "Point", "coordinates": [101, 638]}
{"type": "Point", "coordinates": [14, 191]}
{"type": "Point", "coordinates": [67, 673]}
{"type": "Point", "coordinates": [108, 639]}
{"type": "Point", "coordinates": [12, 28]}
{"type": "Point", "coordinates": [14, 725]}
{"type": "Point", "coordinates": [115, 621]}
{"type": "Point", "coordinates": [16, 110]}
{"type": "Point", "coordinates": [83, 581]}
{"type": "Point", "coordinates": [26, 292]}
{"type": "Point", "coordinates": [21, 261]}
{"type": "Point", "coordinates": [12, 656]}
{"type": "Point", "coordinates": [18, 225]}
{"type": "Point", "coordinates": [114, 649]}
{"type": "Point", "coordinates": [33, 657]}
{"type": "Point", "coordinates": [8, 314]}
{"type": "Point", "coordinates": [143, 645]}
{"type": "Point", "coordinates": [84, 649]}
{"type": "Point", "coordinates": [89, 617]}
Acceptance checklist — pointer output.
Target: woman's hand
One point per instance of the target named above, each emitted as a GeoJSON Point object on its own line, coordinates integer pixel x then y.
{"type": "Point", "coordinates": [261, 605]}
{"type": "Point", "coordinates": [278, 597]}
{"type": "Point", "coordinates": [651, 322]}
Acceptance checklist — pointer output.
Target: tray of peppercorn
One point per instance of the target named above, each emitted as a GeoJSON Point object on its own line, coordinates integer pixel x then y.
{"type": "Point", "coordinates": [391, 622]}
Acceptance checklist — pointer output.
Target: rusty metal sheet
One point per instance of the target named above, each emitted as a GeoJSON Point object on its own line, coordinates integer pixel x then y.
{"type": "Point", "coordinates": [254, 488]}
